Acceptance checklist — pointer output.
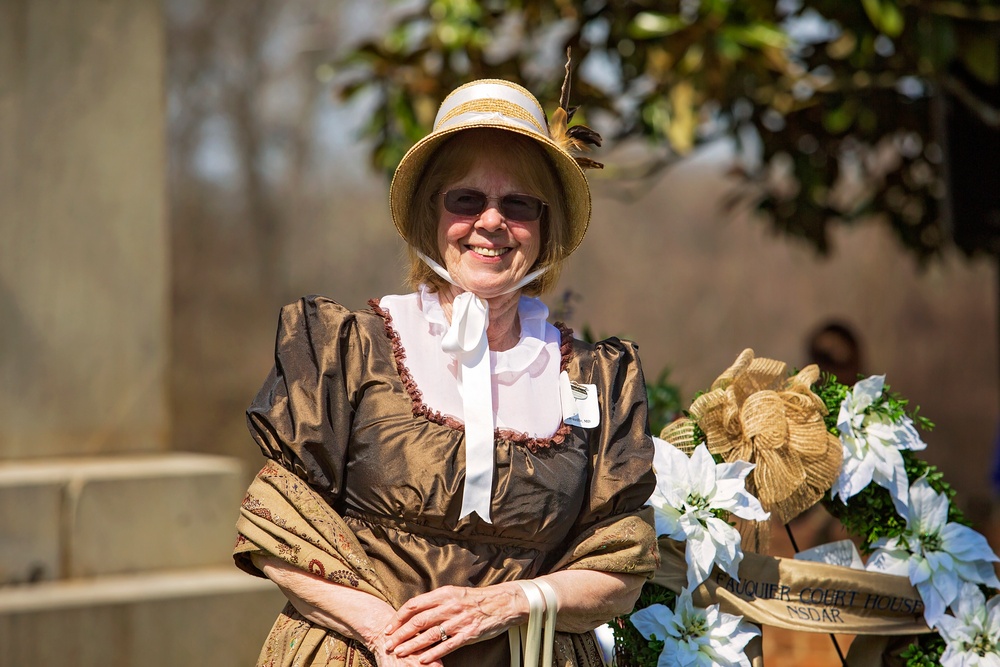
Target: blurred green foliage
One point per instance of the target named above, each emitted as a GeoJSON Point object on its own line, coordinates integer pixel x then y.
{"type": "Point", "coordinates": [836, 96]}
{"type": "Point", "coordinates": [664, 400]}
{"type": "Point", "coordinates": [631, 648]}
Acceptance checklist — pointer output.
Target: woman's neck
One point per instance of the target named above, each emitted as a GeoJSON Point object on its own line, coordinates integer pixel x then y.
{"type": "Point", "coordinates": [504, 329]}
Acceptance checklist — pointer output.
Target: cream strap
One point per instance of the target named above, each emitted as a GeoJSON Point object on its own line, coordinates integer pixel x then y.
{"type": "Point", "coordinates": [542, 601]}
{"type": "Point", "coordinates": [466, 341]}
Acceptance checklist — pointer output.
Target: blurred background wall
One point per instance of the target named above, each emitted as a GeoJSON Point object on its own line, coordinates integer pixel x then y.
{"type": "Point", "coordinates": [114, 546]}
{"type": "Point", "coordinates": [172, 173]}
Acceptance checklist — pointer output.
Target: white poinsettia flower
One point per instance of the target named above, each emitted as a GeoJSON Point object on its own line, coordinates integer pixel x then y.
{"type": "Point", "coordinates": [937, 555]}
{"type": "Point", "coordinates": [688, 496]}
{"type": "Point", "coordinates": [693, 636]}
{"type": "Point", "coordinates": [972, 634]}
{"type": "Point", "coordinates": [872, 444]}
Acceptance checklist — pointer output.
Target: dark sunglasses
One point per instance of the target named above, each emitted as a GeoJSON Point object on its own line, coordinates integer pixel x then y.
{"type": "Point", "coordinates": [517, 207]}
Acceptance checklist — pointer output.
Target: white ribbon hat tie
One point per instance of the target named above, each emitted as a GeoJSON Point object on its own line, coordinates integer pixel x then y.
{"type": "Point", "coordinates": [466, 341]}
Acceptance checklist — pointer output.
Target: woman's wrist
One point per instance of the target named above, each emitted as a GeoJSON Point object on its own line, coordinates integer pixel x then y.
{"type": "Point", "coordinates": [371, 628]}
{"type": "Point", "coordinates": [520, 605]}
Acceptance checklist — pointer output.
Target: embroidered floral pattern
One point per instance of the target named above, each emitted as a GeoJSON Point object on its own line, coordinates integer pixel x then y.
{"type": "Point", "coordinates": [316, 567]}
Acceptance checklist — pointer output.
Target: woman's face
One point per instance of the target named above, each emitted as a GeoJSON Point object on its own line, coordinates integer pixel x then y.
{"type": "Point", "coordinates": [487, 253]}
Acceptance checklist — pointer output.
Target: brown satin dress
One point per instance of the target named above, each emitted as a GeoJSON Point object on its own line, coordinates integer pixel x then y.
{"type": "Point", "coordinates": [341, 411]}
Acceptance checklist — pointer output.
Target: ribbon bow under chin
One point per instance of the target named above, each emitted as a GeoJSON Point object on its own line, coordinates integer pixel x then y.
{"type": "Point", "coordinates": [470, 317]}
{"type": "Point", "coordinates": [466, 340]}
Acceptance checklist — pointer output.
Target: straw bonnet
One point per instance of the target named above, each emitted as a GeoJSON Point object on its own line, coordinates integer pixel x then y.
{"type": "Point", "coordinates": [502, 105]}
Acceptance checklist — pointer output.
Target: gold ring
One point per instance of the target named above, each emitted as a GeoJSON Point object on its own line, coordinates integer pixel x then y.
{"type": "Point", "coordinates": [444, 635]}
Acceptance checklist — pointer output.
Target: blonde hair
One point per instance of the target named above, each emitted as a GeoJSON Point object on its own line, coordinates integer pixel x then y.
{"type": "Point", "coordinates": [509, 151]}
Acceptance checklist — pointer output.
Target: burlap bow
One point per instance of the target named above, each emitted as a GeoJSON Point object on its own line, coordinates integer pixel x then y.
{"type": "Point", "coordinates": [754, 412]}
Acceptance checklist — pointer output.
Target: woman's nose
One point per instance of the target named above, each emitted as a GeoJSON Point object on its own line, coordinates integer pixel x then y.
{"type": "Point", "coordinates": [491, 219]}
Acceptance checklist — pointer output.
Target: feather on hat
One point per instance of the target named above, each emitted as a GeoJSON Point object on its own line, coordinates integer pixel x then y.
{"type": "Point", "coordinates": [578, 138]}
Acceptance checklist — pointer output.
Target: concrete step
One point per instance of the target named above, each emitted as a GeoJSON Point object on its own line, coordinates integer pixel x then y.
{"type": "Point", "coordinates": [88, 517]}
{"type": "Point", "coordinates": [210, 616]}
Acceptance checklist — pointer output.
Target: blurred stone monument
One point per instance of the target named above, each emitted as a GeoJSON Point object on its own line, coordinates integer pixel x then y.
{"type": "Point", "coordinates": [113, 550]}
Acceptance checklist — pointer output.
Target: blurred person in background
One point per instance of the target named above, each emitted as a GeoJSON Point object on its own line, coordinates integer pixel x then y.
{"type": "Point", "coordinates": [834, 347]}
{"type": "Point", "coordinates": [436, 458]}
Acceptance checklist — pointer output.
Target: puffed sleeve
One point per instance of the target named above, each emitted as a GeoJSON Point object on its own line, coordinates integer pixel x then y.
{"type": "Point", "coordinates": [301, 417]}
{"type": "Point", "coordinates": [614, 531]}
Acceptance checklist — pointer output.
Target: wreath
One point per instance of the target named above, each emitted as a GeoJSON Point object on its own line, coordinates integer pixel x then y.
{"type": "Point", "coordinates": [764, 442]}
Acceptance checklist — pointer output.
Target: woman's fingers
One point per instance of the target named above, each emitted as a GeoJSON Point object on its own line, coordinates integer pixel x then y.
{"type": "Point", "coordinates": [417, 633]}
{"type": "Point", "coordinates": [438, 622]}
{"type": "Point", "coordinates": [434, 654]}
{"type": "Point", "coordinates": [421, 613]}
{"type": "Point", "coordinates": [425, 640]}
{"type": "Point", "coordinates": [386, 657]}
{"type": "Point", "coordinates": [431, 600]}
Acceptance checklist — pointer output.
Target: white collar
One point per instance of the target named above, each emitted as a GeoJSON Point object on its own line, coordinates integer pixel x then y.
{"type": "Point", "coordinates": [531, 313]}
{"type": "Point", "coordinates": [466, 339]}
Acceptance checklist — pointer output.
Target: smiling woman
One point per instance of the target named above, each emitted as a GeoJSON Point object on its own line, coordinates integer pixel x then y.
{"type": "Point", "coordinates": [467, 462]}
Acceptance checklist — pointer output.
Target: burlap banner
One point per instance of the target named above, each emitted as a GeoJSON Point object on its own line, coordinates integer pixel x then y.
{"type": "Point", "coordinates": [800, 595]}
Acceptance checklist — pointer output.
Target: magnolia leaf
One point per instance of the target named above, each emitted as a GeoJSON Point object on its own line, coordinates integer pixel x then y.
{"type": "Point", "coordinates": [683, 124]}
{"type": "Point", "coordinates": [728, 44]}
{"type": "Point", "coordinates": [979, 55]}
{"type": "Point", "coordinates": [760, 35]}
{"type": "Point", "coordinates": [884, 15]}
{"type": "Point", "coordinates": [651, 25]}
{"type": "Point", "coordinates": [892, 19]}
{"type": "Point", "coordinates": [840, 119]}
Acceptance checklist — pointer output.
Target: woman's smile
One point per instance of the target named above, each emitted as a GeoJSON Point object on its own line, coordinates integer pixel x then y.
{"type": "Point", "coordinates": [488, 252]}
